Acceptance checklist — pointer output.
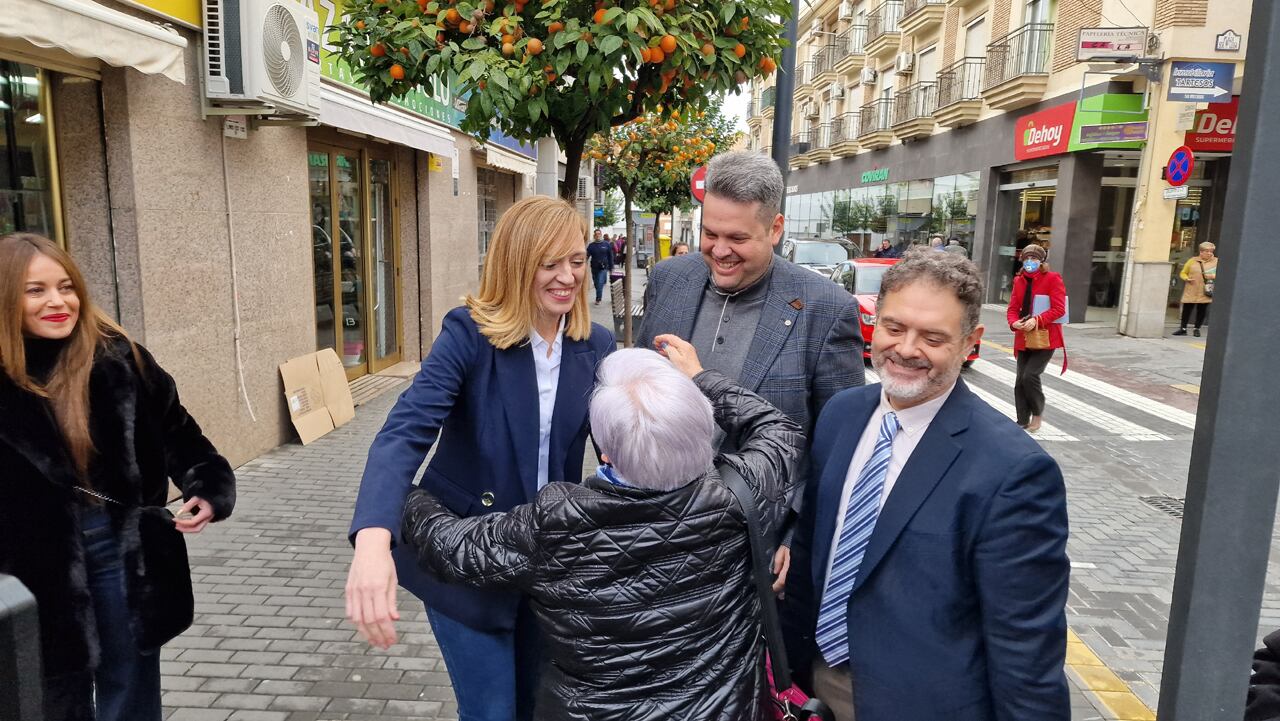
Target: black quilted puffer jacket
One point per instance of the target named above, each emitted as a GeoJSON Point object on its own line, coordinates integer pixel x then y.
{"type": "Point", "coordinates": [645, 597]}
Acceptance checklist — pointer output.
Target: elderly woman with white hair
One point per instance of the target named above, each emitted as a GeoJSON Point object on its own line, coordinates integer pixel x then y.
{"type": "Point", "coordinates": [640, 577]}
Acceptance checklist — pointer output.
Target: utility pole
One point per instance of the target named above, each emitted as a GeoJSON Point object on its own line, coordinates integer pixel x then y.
{"type": "Point", "coordinates": [785, 90]}
{"type": "Point", "coordinates": [1231, 489]}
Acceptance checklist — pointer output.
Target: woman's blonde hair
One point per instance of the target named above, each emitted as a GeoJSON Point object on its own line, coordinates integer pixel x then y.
{"type": "Point", "coordinates": [534, 231]}
{"type": "Point", "coordinates": [68, 386]}
{"type": "Point", "coordinates": [1207, 246]}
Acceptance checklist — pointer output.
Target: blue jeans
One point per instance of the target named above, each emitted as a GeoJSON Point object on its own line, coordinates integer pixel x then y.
{"type": "Point", "coordinates": [494, 673]}
{"type": "Point", "coordinates": [127, 681]}
{"type": "Point", "coordinates": [601, 277]}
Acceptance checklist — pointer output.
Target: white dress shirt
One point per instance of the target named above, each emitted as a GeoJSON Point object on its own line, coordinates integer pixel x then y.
{"type": "Point", "coordinates": [912, 423]}
{"type": "Point", "coordinates": [547, 365]}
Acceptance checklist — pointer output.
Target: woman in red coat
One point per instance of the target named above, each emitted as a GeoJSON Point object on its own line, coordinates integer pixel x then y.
{"type": "Point", "coordinates": [1034, 279]}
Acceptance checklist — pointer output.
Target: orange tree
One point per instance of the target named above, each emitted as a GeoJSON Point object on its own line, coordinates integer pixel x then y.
{"type": "Point", "coordinates": [652, 157]}
{"type": "Point", "coordinates": [562, 68]}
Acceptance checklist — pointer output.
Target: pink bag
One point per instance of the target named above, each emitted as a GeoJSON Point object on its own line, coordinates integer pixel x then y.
{"type": "Point", "coordinates": [787, 701]}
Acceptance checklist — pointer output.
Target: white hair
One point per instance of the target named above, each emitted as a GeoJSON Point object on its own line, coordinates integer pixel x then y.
{"type": "Point", "coordinates": [653, 423]}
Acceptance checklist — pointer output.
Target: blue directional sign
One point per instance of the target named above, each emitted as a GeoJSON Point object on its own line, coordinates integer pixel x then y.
{"type": "Point", "coordinates": [1194, 82]}
{"type": "Point", "coordinates": [1178, 169]}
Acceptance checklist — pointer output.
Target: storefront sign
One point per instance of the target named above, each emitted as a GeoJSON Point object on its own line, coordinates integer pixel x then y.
{"type": "Point", "coordinates": [1214, 128]}
{"type": "Point", "coordinates": [1194, 82]}
{"type": "Point", "coordinates": [183, 12]}
{"type": "Point", "coordinates": [879, 175]}
{"type": "Point", "coordinates": [1113, 133]}
{"type": "Point", "coordinates": [1044, 133]}
{"type": "Point", "coordinates": [1178, 192]}
{"type": "Point", "coordinates": [1110, 43]}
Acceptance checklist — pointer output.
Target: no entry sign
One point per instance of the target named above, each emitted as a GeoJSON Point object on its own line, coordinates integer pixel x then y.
{"type": "Point", "coordinates": [698, 183]}
{"type": "Point", "coordinates": [1178, 170]}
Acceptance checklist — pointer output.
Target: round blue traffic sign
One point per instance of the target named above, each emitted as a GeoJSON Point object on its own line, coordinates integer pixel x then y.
{"type": "Point", "coordinates": [1178, 170]}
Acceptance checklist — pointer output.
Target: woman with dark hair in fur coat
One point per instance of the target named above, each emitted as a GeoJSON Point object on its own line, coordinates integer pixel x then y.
{"type": "Point", "coordinates": [91, 431]}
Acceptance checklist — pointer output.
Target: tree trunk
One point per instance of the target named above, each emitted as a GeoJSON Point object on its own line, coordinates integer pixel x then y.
{"type": "Point", "coordinates": [573, 148]}
{"type": "Point", "coordinates": [657, 231]}
{"type": "Point", "coordinates": [626, 270]}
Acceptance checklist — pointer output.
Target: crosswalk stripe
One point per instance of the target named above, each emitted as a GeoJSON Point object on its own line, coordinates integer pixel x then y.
{"type": "Point", "coordinates": [1059, 401]}
{"type": "Point", "coordinates": [1155, 408]}
{"type": "Point", "coordinates": [1047, 431]}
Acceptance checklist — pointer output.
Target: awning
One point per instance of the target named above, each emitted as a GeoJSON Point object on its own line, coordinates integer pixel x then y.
{"type": "Point", "coordinates": [504, 159]}
{"type": "Point", "coordinates": [88, 30]}
{"type": "Point", "coordinates": [340, 109]}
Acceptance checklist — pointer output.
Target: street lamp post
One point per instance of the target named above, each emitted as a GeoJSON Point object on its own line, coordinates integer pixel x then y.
{"type": "Point", "coordinates": [1231, 489]}
{"type": "Point", "coordinates": [783, 96]}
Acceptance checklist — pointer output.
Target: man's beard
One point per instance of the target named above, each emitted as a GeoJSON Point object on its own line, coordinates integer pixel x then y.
{"type": "Point", "coordinates": [913, 390]}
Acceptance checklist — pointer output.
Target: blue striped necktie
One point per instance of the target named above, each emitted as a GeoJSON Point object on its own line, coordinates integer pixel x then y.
{"type": "Point", "coordinates": [859, 521]}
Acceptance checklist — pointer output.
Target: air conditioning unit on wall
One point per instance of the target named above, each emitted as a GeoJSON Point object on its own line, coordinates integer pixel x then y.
{"type": "Point", "coordinates": [262, 57]}
{"type": "Point", "coordinates": [868, 76]}
{"type": "Point", "coordinates": [837, 91]}
{"type": "Point", "coordinates": [904, 62]}
{"type": "Point", "coordinates": [846, 10]}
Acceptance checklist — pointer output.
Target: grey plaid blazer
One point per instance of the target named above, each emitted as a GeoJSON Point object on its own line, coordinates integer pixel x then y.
{"type": "Point", "coordinates": [807, 347]}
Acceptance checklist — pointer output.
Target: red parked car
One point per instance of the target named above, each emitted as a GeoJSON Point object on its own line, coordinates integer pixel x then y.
{"type": "Point", "coordinates": [861, 277]}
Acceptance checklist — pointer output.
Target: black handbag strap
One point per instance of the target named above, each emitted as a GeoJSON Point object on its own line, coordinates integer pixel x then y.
{"type": "Point", "coordinates": [760, 572]}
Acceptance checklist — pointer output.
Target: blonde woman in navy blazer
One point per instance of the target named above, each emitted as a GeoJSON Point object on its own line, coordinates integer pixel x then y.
{"type": "Point", "coordinates": [508, 423]}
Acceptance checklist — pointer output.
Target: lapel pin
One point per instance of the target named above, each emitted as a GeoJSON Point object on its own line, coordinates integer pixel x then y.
{"type": "Point", "coordinates": [797, 304]}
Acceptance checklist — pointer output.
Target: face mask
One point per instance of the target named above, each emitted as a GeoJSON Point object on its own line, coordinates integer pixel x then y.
{"type": "Point", "coordinates": [1031, 266]}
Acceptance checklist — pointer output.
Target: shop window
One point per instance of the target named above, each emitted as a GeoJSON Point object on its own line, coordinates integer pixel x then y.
{"type": "Point", "coordinates": [487, 207]}
{"type": "Point", "coordinates": [28, 175]}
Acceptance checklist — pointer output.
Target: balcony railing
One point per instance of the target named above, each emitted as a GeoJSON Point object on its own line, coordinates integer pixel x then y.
{"type": "Point", "coordinates": [915, 101]}
{"type": "Point", "coordinates": [877, 116]}
{"type": "Point", "coordinates": [800, 143]}
{"type": "Point", "coordinates": [844, 128]}
{"type": "Point", "coordinates": [959, 81]}
{"type": "Point", "coordinates": [853, 41]}
{"type": "Point", "coordinates": [884, 19]}
{"type": "Point", "coordinates": [1024, 51]}
{"type": "Point", "coordinates": [821, 137]}
{"type": "Point", "coordinates": [768, 97]}
{"type": "Point", "coordinates": [805, 72]}
{"type": "Point", "coordinates": [910, 7]}
{"type": "Point", "coordinates": [825, 59]}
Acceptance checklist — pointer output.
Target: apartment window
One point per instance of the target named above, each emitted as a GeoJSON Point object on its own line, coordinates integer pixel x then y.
{"type": "Point", "coordinates": [975, 38]}
{"type": "Point", "coordinates": [927, 65]}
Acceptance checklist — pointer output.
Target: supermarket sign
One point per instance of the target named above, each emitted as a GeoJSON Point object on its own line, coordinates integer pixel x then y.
{"type": "Point", "coordinates": [1214, 128]}
{"type": "Point", "coordinates": [1072, 127]}
{"type": "Point", "coordinates": [1044, 133]}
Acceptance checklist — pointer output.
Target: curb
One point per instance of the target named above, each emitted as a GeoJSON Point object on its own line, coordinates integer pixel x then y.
{"type": "Point", "coordinates": [1110, 690]}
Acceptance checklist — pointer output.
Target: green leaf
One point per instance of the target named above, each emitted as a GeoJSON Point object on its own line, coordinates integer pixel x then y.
{"type": "Point", "coordinates": [562, 63]}
{"type": "Point", "coordinates": [610, 44]}
{"type": "Point", "coordinates": [475, 70]}
{"type": "Point", "coordinates": [563, 38]}
{"type": "Point", "coordinates": [534, 111]}
{"type": "Point", "coordinates": [728, 43]}
{"type": "Point", "coordinates": [583, 49]}
{"type": "Point", "coordinates": [726, 12]}
{"type": "Point", "coordinates": [433, 63]}
{"type": "Point", "coordinates": [402, 26]}
{"type": "Point", "coordinates": [649, 19]}
{"type": "Point", "coordinates": [593, 82]}
{"type": "Point", "coordinates": [500, 80]}
{"type": "Point", "coordinates": [465, 9]}
{"type": "Point", "coordinates": [632, 21]}
{"type": "Point", "coordinates": [612, 14]}
{"type": "Point", "coordinates": [473, 43]}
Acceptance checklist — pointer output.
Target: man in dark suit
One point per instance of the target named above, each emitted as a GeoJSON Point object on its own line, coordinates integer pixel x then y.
{"type": "Point", "coordinates": [785, 333]}
{"type": "Point", "coordinates": [930, 569]}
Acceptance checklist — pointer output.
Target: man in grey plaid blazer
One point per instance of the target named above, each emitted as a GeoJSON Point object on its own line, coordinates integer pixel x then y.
{"type": "Point", "coordinates": [784, 332]}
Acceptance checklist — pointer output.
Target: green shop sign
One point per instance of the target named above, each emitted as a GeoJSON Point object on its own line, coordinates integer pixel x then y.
{"type": "Point", "coordinates": [1107, 119]}
{"type": "Point", "coordinates": [438, 106]}
{"type": "Point", "coordinates": [879, 175]}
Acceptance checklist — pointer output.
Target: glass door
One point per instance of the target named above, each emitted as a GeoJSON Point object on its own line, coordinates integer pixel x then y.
{"type": "Point", "coordinates": [321, 190]}
{"type": "Point", "coordinates": [386, 272]}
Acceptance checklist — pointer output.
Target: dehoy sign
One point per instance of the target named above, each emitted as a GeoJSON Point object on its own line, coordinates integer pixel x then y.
{"type": "Point", "coordinates": [1047, 132]}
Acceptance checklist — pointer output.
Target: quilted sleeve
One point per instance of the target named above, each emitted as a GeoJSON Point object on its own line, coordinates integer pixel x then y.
{"type": "Point", "coordinates": [769, 442]}
{"type": "Point", "coordinates": [493, 550]}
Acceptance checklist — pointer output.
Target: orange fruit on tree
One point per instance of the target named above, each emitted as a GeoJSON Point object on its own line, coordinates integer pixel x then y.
{"type": "Point", "coordinates": [740, 50]}
{"type": "Point", "coordinates": [555, 27]}
{"type": "Point", "coordinates": [551, 77]}
{"type": "Point", "coordinates": [508, 49]}
{"type": "Point", "coordinates": [452, 16]}
{"type": "Point", "coordinates": [359, 25]}
{"type": "Point", "coordinates": [656, 55]}
{"type": "Point", "coordinates": [440, 38]}
{"type": "Point", "coordinates": [587, 37]}
{"type": "Point", "coordinates": [645, 56]}
{"type": "Point", "coordinates": [404, 52]}
{"type": "Point", "coordinates": [708, 49]}
{"type": "Point", "coordinates": [397, 72]}
{"type": "Point", "coordinates": [464, 27]}
{"type": "Point", "coordinates": [768, 65]}
{"type": "Point", "coordinates": [668, 44]}
{"type": "Point", "coordinates": [488, 6]}
{"type": "Point", "coordinates": [508, 39]}
{"type": "Point", "coordinates": [378, 50]}
{"type": "Point", "coordinates": [482, 85]}
{"type": "Point", "coordinates": [534, 47]}
{"type": "Point", "coordinates": [669, 5]}
{"type": "Point", "coordinates": [598, 18]}
{"type": "Point", "coordinates": [745, 22]}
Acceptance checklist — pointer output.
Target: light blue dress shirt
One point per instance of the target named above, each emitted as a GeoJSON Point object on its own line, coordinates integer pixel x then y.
{"type": "Point", "coordinates": [548, 369]}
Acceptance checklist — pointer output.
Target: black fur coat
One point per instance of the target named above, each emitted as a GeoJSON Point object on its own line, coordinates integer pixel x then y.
{"type": "Point", "coordinates": [143, 437]}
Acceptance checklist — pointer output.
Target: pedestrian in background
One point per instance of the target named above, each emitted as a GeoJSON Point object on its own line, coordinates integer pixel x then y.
{"type": "Point", "coordinates": [91, 433]}
{"type": "Point", "coordinates": [886, 250]}
{"type": "Point", "coordinates": [1199, 274]}
{"type": "Point", "coordinates": [505, 390]}
{"type": "Point", "coordinates": [930, 569]}
{"type": "Point", "coordinates": [954, 246]}
{"type": "Point", "coordinates": [640, 574]}
{"type": "Point", "coordinates": [680, 248]}
{"type": "Point", "coordinates": [936, 242]}
{"type": "Point", "coordinates": [1036, 333]}
{"type": "Point", "coordinates": [620, 249]}
{"type": "Point", "coordinates": [600, 251]}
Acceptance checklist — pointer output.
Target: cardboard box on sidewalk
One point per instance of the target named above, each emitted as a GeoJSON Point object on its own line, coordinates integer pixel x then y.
{"type": "Point", "coordinates": [316, 391]}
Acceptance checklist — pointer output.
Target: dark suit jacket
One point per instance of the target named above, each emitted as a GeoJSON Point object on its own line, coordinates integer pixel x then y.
{"type": "Point", "coordinates": [482, 403]}
{"type": "Point", "coordinates": [958, 609]}
{"type": "Point", "coordinates": [807, 347]}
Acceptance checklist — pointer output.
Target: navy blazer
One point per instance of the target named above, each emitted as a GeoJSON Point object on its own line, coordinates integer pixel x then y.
{"type": "Point", "coordinates": [958, 611]}
{"type": "Point", "coordinates": [482, 403]}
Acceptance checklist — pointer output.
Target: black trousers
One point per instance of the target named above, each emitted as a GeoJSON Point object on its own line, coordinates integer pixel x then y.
{"type": "Point", "coordinates": [1028, 393]}
{"type": "Point", "coordinates": [1200, 310]}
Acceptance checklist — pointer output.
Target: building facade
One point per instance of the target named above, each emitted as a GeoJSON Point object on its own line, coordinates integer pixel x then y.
{"type": "Point", "coordinates": [974, 120]}
{"type": "Point", "coordinates": [228, 250]}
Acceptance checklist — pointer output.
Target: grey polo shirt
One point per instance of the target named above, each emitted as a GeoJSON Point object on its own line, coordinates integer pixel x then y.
{"type": "Point", "coordinates": [726, 325]}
